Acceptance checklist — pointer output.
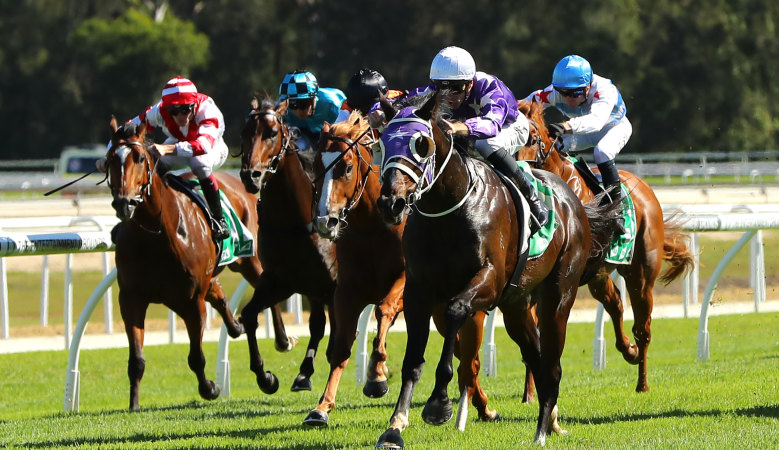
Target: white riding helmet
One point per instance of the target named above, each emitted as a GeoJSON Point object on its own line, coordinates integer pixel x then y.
{"type": "Point", "coordinates": [452, 63]}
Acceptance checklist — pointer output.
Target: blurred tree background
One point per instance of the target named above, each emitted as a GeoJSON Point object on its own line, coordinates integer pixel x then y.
{"type": "Point", "coordinates": [697, 75]}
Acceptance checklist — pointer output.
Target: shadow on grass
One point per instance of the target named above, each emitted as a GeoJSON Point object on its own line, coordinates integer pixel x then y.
{"type": "Point", "coordinates": [771, 411]}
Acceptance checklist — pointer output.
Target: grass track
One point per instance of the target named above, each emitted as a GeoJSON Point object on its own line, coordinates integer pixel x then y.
{"type": "Point", "coordinates": [730, 401]}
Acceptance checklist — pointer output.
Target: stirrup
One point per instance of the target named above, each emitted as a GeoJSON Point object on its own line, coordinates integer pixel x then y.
{"type": "Point", "coordinates": [220, 229]}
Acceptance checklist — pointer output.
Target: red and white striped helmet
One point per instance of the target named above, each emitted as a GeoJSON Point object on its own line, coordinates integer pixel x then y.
{"type": "Point", "coordinates": [179, 91]}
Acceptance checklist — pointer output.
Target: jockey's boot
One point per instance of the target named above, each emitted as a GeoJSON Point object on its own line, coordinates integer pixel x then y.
{"type": "Point", "coordinates": [610, 177]}
{"type": "Point", "coordinates": [507, 165]}
{"type": "Point", "coordinates": [211, 193]}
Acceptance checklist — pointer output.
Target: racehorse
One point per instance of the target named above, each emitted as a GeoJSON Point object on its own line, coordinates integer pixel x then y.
{"type": "Point", "coordinates": [655, 241]}
{"type": "Point", "coordinates": [461, 244]}
{"type": "Point", "coordinates": [370, 259]}
{"type": "Point", "coordinates": [294, 257]}
{"type": "Point", "coordinates": [165, 252]}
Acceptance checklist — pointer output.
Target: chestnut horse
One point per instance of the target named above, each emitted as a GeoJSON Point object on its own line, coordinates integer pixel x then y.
{"type": "Point", "coordinates": [655, 241]}
{"type": "Point", "coordinates": [165, 252]}
{"type": "Point", "coordinates": [461, 244]}
{"type": "Point", "coordinates": [294, 257]}
{"type": "Point", "coordinates": [370, 259]}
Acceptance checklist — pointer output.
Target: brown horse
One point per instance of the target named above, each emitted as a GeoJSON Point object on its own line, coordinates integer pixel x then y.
{"type": "Point", "coordinates": [656, 241]}
{"type": "Point", "coordinates": [370, 259]}
{"type": "Point", "coordinates": [165, 252]}
{"type": "Point", "coordinates": [461, 244]}
{"type": "Point", "coordinates": [294, 257]}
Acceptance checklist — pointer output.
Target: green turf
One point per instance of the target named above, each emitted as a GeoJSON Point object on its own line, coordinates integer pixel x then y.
{"type": "Point", "coordinates": [731, 401]}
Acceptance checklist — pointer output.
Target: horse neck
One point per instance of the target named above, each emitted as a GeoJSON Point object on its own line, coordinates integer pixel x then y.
{"type": "Point", "coordinates": [564, 168]}
{"type": "Point", "coordinates": [289, 193]}
{"type": "Point", "coordinates": [451, 182]}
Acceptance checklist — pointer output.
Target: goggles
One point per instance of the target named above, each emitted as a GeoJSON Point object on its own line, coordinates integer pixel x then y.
{"type": "Point", "coordinates": [454, 86]}
{"type": "Point", "coordinates": [175, 110]}
{"type": "Point", "coordinates": [573, 93]}
{"type": "Point", "coordinates": [301, 103]}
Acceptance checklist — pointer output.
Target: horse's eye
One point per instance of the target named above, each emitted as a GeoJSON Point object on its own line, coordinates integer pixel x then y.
{"type": "Point", "coordinates": [139, 157]}
{"type": "Point", "coordinates": [273, 132]}
{"type": "Point", "coordinates": [349, 168]}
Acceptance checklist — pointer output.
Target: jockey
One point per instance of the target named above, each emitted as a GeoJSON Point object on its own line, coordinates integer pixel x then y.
{"type": "Point", "coordinates": [596, 116]}
{"type": "Point", "coordinates": [363, 89]}
{"type": "Point", "coordinates": [195, 127]}
{"type": "Point", "coordinates": [488, 113]}
{"type": "Point", "coordinates": [309, 106]}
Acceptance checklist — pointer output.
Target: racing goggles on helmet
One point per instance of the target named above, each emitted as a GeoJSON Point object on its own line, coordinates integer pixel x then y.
{"type": "Point", "coordinates": [454, 86]}
{"type": "Point", "coordinates": [175, 110]}
{"type": "Point", "coordinates": [573, 93]}
{"type": "Point", "coordinates": [300, 103]}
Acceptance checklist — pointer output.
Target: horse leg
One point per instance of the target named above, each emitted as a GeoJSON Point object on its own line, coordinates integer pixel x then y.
{"type": "Point", "coordinates": [522, 328]}
{"type": "Point", "coordinates": [552, 323]}
{"type": "Point", "coordinates": [267, 292]}
{"type": "Point", "coordinates": [193, 312]}
{"type": "Point", "coordinates": [216, 297]}
{"type": "Point", "coordinates": [250, 269]}
{"type": "Point", "coordinates": [316, 328]}
{"type": "Point", "coordinates": [603, 289]}
{"type": "Point", "coordinates": [528, 396]}
{"type": "Point", "coordinates": [386, 311]}
{"type": "Point", "coordinates": [342, 337]}
{"type": "Point", "coordinates": [642, 300]}
{"type": "Point", "coordinates": [469, 341]}
{"type": "Point", "coordinates": [134, 315]}
{"type": "Point", "coordinates": [417, 315]}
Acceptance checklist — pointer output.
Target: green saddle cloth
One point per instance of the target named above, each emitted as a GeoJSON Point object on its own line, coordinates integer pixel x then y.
{"type": "Point", "coordinates": [541, 239]}
{"type": "Point", "coordinates": [240, 243]}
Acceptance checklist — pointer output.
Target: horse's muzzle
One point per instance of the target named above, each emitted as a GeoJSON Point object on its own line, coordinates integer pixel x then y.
{"type": "Point", "coordinates": [328, 226]}
{"type": "Point", "coordinates": [125, 208]}
{"type": "Point", "coordinates": [391, 209]}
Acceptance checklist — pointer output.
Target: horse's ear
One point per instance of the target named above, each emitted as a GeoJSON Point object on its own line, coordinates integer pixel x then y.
{"type": "Point", "coordinates": [426, 111]}
{"type": "Point", "coordinates": [524, 107]}
{"type": "Point", "coordinates": [254, 104]}
{"type": "Point", "coordinates": [113, 124]}
{"type": "Point", "coordinates": [141, 131]}
{"type": "Point", "coordinates": [326, 127]}
{"type": "Point", "coordinates": [386, 107]}
{"type": "Point", "coordinates": [281, 109]}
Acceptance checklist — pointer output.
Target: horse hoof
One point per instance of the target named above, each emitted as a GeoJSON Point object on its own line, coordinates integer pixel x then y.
{"type": "Point", "coordinates": [390, 439]}
{"type": "Point", "coordinates": [316, 418]}
{"type": "Point", "coordinates": [209, 390]}
{"type": "Point", "coordinates": [268, 383]}
{"type": "Point", "coordinates": [490, 416]}
{"type": "Point", "coordinates": [292, 341]}
{"type": "Point", "coordinates": [437, 412]}
{"type": "Point", "coordinates": [301, 383]}
{"type": "Point", "coordinates": [375, 389]}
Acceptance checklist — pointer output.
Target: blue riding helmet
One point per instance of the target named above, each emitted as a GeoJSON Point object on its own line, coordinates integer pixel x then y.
{"type": "Point", "coordinates": [572, 72]}
{"type": "Point", "coordinates": [298, 85]}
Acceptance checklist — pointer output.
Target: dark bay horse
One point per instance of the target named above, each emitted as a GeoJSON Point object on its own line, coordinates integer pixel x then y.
{"type": "Point", "coordinates": [165, 253]}
{"type": "Point", "coordinates": [656, 241]}
{"type": "Point", "coordinates": [369, 254]}
{"type": "Point", "coordinates": [295, 258]}
{"type": "Point", "coordinates": [461, 244]}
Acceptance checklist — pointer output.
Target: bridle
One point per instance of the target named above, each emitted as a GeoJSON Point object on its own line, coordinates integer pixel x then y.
{"type": "Point", "coordinates": [350, 144]}
{"type": "Point", "coordinates": [286, 136]}
{"type": "Point", "coordinates": [124, 147]}
{"type": "Point", "coordinates": [535, 140]}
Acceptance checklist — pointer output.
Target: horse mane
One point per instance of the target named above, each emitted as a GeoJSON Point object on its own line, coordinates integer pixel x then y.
{"type": "Point", "coordinates": [534, 111]}
{"type": "Point", "coordinates": [352, 127]}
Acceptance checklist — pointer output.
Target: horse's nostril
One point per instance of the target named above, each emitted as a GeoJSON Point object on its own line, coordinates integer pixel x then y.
{"type": "Point", "coordinates": [332, 222]}
{"type": "Point", "coordinates": [256, 174]}
{"type": "Point", "coordinates": [398, 205]}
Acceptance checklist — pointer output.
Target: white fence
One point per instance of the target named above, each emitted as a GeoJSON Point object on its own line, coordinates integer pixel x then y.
{"type": "Point", "coordinates": [12, 244]}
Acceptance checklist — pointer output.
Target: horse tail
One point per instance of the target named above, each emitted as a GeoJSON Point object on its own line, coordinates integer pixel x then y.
{"type": "Point", "coordinates": [675, 250]}
{"type": "Point", "coordinates": [603, 223]}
